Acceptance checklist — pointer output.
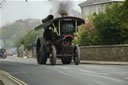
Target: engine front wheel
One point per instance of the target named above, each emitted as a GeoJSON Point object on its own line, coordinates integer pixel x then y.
{"type": "Point", "coordinates": [53, 56]}
{"type": "Point", "coordinates": [76, 55]}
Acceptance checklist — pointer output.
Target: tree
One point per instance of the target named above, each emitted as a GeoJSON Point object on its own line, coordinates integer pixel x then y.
{"type": "Point", "coordinates": [12, 33]}
{"type": "Point", "coordinates": [124, 22]}
{"type": "Point", "coordinates": [108, 25]}
{"type": "Point", "coordinates": [29, 40]}
{"type": "Point", "coordinates": [87, 34]}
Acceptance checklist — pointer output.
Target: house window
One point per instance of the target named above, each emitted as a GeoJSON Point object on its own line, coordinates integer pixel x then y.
{"type": "Point", "coordinates": [99, 10]}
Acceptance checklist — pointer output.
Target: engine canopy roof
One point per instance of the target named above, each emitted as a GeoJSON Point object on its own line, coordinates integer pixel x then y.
{"type": "Point", "coordinates": [61, 19]}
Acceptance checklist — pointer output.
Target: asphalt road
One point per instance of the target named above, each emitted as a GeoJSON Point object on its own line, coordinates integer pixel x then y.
{"type": "Point", "coordinates": [83, 74]}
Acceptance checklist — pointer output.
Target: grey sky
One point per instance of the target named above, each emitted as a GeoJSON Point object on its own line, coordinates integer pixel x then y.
{"type": "Point", "coordinates": [19, 9]}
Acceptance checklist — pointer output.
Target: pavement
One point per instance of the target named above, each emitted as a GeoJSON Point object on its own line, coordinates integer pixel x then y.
{"type": "Point", "coordinates": [81, 62]}
{"type": "Point", "coordinates": [28, 72]}
{"type": "Point", "coordinates": [104, 62]}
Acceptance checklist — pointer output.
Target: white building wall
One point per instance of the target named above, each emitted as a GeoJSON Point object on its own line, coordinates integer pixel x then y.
{"type": "Point", "coordinates": [88, 10]}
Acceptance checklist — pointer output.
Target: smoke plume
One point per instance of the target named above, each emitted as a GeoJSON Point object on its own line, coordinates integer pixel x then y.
{"type": "Point", "coordinates": [64, 7]}
{"type": "Point", "coordinates": [61, 6]}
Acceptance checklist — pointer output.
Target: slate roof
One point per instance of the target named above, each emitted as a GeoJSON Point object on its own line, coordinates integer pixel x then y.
{"type": "Point", "coordinates": [94, 2]}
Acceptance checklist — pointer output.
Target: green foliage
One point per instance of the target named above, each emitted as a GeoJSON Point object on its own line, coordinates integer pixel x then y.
{"type": "Point", "coordinates": [85, 38]}
{"type": "Point", "coordinates": [75, 41]}
{"type": "Point", "coordinates": [12, 33]}
{"type": "Point", "coordinates": [87, 34]}
{"type": "Point", "coordinates": [106, 28]}
{"type": "Point", "coordinates": [89, 37]}
{"type": "Point", "coordinates": [29, 40]}
{"type": "Point", "coordinates": [124, 14]}
{"type": "Point", "coordinates": [108, 25]}
{"type": "Point", "coordinates": [124, 22]}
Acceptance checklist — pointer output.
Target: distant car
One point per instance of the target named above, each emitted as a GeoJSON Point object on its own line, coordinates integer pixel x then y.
{"type": "Point", "coordinates": [14, 51]}
{"type": "Point", "coordinates": [9, 53]}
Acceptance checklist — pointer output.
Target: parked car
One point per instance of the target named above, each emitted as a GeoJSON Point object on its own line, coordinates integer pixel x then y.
{"type": "Point", "coordinates": [9, 53]}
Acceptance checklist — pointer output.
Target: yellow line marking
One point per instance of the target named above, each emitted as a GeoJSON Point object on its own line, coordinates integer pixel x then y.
{"type": "Point", "coordinates": [18, 81]}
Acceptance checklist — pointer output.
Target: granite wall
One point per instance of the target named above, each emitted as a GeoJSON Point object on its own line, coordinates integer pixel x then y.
{"type": "Point", "coordinates": [105, 53]}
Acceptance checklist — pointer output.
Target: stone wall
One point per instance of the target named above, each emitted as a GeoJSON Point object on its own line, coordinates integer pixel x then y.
{"type": "Point", "coordinates": [105, 53]}
{"type": "Point", "coordinates": [31, 53]}
{"type": "Point", "coordinates": [100, 53]}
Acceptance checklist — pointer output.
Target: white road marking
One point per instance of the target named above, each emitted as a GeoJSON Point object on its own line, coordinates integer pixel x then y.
{"type": "Point", "coordinates": [106, 77]}
{"type": "Point", "coordinates": [62, 72]}
{"type": "Point", "coordinates": [17, 73]}
{"type": "Point", "coordinates": [87, 71]}
{"type": "Point", "coordinates": [126, 78]}
{"type": "Point", "coordinates": [62, 67]}
{"type": "Point", "coordinates": [93, 72]}
{"type": "Point", "coordinates": [90, 73]}
{"type": "Point", "coordinates": [78, 75]}
{"type": "Point", "coordinates": [74, 70]}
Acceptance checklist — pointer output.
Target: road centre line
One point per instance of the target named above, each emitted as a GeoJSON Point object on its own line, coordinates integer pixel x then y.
{"type": "Point", "coordinates": [82, 70]}
{"type": "Point", "coordinates": [93, 72]}
{"type": "Point", "coordinates": [17, 73]}
{"type": "Point", "coordinates": [90, 74]}
{"type": "Point", "coordinates": [63, 67]}
{"type": "Point", "coordinates": [126, 78]}
{"type": "Point", "coordinates": [103, 76]}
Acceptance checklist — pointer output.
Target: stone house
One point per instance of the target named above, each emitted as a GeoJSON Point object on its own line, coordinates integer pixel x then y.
{"type": "Point", "coordinates": [95, 6]}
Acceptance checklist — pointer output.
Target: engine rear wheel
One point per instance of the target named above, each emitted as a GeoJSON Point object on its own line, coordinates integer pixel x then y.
{"type": "Point", "coordinates": [41, 51]}
{"type": "Point", "coordinates": [53, 56]}
{"type": "Point", "coordinates": [76, 55]}
{"type": "Point", "coordinates": [66, 59]}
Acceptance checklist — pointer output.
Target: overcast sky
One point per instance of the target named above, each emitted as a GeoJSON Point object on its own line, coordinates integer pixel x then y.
{"type": "Point", "coordinates": [19, 9]}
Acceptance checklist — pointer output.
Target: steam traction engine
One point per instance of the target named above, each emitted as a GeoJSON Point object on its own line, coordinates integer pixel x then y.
{"type": "Point", "coordinates": [57, 40]}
